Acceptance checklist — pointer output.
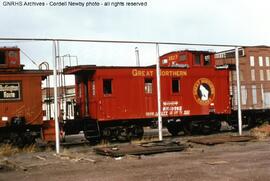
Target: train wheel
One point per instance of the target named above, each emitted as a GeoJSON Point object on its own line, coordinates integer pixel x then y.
{"type": "Point", "coordinates": [137, 132]}
{"type": "Point", "coordinates": [173, 128]}
{"type": "Point", "coordinates": [123, 134]}
{"type": "Point", "coordinates": [188, 127]}
{"type": "Point", "coordinates": [93, 139]}
{"type": "Point", "coordinates": [17, 140]}
{"type": "Point", "coordinates": [251, 121]}
{"type": "Point", "coordinates": [131, 132]}
{"type": "Point", "coordinates": [216, 126]}
{"type": "Point", "coordinates": [206, 128]}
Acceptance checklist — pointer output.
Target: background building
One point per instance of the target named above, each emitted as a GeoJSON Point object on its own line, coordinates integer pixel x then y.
{"type": "Point", "coordinates": [254, 75]}
{"type": "Point", "coordinates": [66, 102]}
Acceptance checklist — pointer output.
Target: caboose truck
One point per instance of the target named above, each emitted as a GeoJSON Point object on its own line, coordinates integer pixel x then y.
{"type": "Point", "coordinates": [117, 102]}
{"type": "Point", "coordinates": [21, 115]}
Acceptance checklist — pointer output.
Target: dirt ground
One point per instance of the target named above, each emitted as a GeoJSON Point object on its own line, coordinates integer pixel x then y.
{"type": "Point", "coordinates": [229, 161]}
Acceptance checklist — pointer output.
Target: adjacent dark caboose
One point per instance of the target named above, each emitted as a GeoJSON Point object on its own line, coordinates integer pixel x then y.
{"type": "Point", "coordinates": [21, 115]}
{"type": "Point", "coordinates": [116, 102]}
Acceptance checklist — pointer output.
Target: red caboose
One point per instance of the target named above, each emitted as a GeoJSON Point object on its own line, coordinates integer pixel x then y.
{"type": "Point", "coordinates": [209, 101]}
{"type": "Point", "coordinates": [119, 101]}
{"type": "Point", "coordinates": [21, 115]}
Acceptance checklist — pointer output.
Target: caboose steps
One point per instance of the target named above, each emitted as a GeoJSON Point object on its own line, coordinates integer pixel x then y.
{"type": "Point", "coordinates": [91, 131]}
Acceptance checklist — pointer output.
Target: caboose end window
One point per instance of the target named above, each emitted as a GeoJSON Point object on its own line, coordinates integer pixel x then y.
{"type": "Point", "coordinates": [148, 86]}
{"type": "Point", "coordinates": [2, 57]}
{"type": "Point", "coordinates": [107, 86]}
{"type": "Point", "coordinates": [175, 86]}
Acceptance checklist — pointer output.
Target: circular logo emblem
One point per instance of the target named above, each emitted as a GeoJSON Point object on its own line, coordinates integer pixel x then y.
{"type": "Point", "coordinates": [204, 91]}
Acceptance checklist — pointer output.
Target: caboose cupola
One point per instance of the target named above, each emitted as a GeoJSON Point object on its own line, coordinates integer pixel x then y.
{"type": "Point", "coordinates": [10, 58]}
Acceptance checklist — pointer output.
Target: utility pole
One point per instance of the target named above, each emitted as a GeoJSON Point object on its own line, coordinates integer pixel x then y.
{"type": "Point", "coordinates": [158, 95]}
{"type": "Point", "coordinates": [56, 56]}
{"type": "Point", "coordinates": [238, 90]}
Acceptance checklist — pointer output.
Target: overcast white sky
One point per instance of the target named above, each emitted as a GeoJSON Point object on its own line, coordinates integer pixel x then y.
{"type": "Point", "coordinates": [192, 21]}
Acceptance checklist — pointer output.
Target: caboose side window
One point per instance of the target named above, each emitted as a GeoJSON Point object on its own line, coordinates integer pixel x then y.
{"type": "Point", "coordinates": [183, 57]}
{"type": "Point", "coordinates": [148, 86]}
{"type": "Point", "coordinates": [197, 59]}
{"type": "Point", "coordinates": [107, 86]}
{"type": "Point", "coordinates": [165, 61]}
{"type": "Point", "coordinates": [93, 87]}
{"type": "Point", "coordinates": [206, 60]}
{"type": "Point", "coordinates": [2, 57]}
{"type": "Point", "coordinates": [175, 85]}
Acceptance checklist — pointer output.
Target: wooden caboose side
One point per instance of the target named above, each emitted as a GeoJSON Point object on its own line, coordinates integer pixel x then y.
{"type": "Point", "coordinates": [20, 97]}
{"type": "Point", "coordinates": [120, 93]}
{"type": "Point", "coordinates": [124, 93]}
{"type": "Point", "coordinates": [117, 96]}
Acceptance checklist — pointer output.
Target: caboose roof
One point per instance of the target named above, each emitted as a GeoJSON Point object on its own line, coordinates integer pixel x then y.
{"type": "Point", "coordinates": [9, 48]}
{"type": "Point", "coordinates": [45, 72]}
{"type": "Point", "coordinates": [42, 73]}
{"type": "Point", "coordinates": [191, 51]}
{"type": "Point", "coordinates": [91, 68]}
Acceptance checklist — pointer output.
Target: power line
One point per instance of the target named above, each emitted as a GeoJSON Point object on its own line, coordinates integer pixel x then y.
{"type": "Point", "coordinates": [120, 42]}
{"type": "Point", "coordinates": [17, 41]}
{"type": "Point", "coordinates": [29, 58]}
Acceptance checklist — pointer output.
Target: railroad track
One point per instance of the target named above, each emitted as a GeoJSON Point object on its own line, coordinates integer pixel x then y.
{"type": "Point", "coordinates": [149, 135]}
